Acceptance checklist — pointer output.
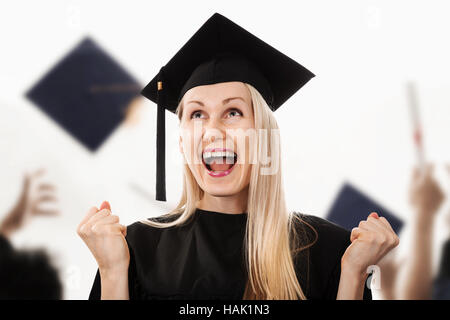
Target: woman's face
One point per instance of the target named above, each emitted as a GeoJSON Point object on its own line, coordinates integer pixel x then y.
{"type": "Point", "coordinates": [214, 123]}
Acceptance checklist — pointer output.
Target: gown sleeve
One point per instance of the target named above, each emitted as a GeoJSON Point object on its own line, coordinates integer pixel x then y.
{"type": "Point", "coordinates": [95, 293]}
{"type": "Point", "coordinates": [326, 253]}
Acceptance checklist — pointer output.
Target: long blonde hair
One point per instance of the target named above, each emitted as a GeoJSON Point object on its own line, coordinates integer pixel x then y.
{"type": "Point", "coordinates": [271, 238]}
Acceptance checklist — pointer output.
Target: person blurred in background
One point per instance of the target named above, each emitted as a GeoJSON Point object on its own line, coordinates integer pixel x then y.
{"type": "Point", "coordinates": [28, 274]}
{"type": "Point", "coordinates": [425, 197]}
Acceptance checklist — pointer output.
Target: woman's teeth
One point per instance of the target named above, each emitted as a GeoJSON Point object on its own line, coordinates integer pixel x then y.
{"type": "Point", "coordinates": [219, 156]}
{"type": "Point", "coordinates": [217, 161]}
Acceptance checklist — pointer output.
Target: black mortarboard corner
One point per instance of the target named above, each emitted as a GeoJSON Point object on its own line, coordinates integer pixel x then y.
{"type": "Point", "coordinates": [352, 206]}
{"type": "Point", "coordinates": [221, 51]}
{"type": "Point", "coordinates": [87, 93]}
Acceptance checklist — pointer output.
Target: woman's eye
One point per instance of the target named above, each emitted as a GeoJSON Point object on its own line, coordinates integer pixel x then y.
{"type": "Point", "coordinates": [234, 113]}
{"type": "Point", "coordinates": [196, 115]}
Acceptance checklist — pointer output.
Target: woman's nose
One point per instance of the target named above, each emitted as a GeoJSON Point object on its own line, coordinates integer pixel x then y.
{"type": "Point", "coordinates": [213, 130]}
{"type": "Point", "coordinates": [212, 134]}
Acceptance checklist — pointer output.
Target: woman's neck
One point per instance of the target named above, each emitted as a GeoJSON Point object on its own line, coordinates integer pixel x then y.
{"type": "Point", "coordinates": [233, 204]}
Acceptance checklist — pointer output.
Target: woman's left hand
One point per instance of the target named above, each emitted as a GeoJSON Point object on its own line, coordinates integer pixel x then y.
{"type": "Point", "coordinates": [371, 241]}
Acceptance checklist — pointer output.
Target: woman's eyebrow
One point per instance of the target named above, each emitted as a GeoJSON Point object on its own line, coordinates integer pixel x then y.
{"type": "Point", "coordinates": [195, 101]}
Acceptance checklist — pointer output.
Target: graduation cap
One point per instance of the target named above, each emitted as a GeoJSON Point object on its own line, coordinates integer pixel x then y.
{"type": "Point", "coordinates": [352, 206]}
{"type": "Point", "coordinates": [87, 93]}
{"type": "Point", "coordinates": [221, 51]}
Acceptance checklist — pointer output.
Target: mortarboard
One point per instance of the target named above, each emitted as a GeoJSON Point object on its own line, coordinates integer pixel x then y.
{"type": "Point", "coordinates": [352, 206]}
{"type": "Point", "coordinates": [87, 93]}
{"type": "Point", "coordinates": [221, 51]}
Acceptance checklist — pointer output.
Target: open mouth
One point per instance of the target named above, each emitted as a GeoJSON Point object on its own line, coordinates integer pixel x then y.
{"type": "Point", "coordinates": [219, 162]}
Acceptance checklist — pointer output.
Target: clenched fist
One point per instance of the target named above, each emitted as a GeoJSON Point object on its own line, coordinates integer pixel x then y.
{"type": "Point", "coordinates": [105, 238]}
{"type": "Point", "coordinates": [371, 241]}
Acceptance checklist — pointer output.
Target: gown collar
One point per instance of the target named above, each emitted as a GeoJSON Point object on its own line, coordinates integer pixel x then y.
{"type": "Point", "coordinates": [222, 214]}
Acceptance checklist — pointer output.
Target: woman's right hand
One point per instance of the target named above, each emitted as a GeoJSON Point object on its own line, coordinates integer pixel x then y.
{"type": "Point", "coordinates": [105, 238]}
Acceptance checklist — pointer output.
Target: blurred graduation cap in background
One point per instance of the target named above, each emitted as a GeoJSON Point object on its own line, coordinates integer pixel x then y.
{"type": "Point", "coordinates": [351, 206]}
{"type": "Point", "coordinates": [221, 51]}
{"type": "Point", "coordinates": [87, 93]}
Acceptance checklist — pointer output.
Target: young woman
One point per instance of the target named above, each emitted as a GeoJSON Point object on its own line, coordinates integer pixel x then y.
{"type": "Point", "coordinates": [231, 236]}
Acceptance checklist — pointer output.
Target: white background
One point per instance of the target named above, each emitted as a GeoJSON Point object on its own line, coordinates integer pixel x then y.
{"type": "Point", "coordinates": [351, 122]}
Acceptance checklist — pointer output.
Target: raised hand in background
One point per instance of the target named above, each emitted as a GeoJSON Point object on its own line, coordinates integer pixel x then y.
{"type": "Point", "coordinates": [33, 196]}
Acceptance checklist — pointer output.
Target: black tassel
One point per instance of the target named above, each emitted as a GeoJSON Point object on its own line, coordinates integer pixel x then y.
{"type": "Point", "coordinates": [161, 141]}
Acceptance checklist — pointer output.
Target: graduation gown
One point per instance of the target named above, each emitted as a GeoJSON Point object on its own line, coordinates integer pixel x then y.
{"type": "Point", "coordinates": [204, 259]}
{"type": "Point", "coordinates": [27, 274]}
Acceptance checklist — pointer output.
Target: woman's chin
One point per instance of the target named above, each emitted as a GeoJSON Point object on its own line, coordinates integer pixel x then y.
{"type": "Point", "coordinates": [220, 183]}
{"type": "Point", "coordinates": [221, 187]}
{"type": "Point", "coordinates": [221, 191]}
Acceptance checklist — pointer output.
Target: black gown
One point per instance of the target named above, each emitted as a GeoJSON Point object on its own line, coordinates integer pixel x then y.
{"type": "Point", "coordinates": [27, 274]}
{"type": "Point", "coordinates": [203, 259]}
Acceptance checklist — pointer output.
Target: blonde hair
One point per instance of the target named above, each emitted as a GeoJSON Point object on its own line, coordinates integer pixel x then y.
{"type": "Point", "coordinates": [271, 238]}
